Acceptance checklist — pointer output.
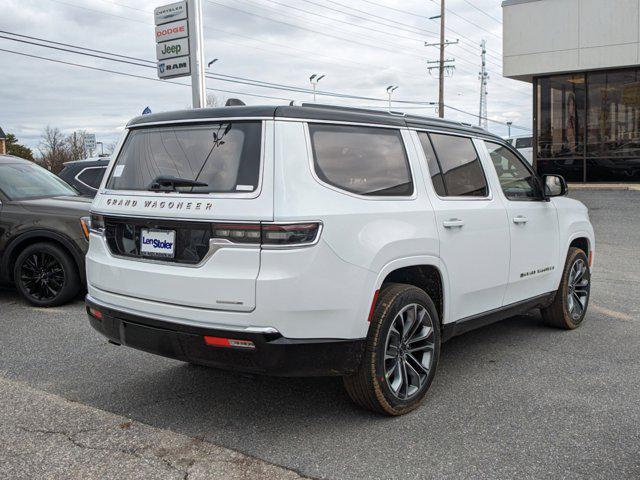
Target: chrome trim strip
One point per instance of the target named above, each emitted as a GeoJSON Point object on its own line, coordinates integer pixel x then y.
{"type": "Point", "coordinates": [89, 168]}
{"type": "Point", "coordinates": [250, 329]}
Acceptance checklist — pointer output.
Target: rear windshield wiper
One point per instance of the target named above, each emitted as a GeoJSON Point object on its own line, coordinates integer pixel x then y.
{"type": "Point", "coordinates": [169, 184]}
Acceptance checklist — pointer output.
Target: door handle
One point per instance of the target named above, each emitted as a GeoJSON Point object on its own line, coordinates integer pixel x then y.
{"type": "Point", "coordinates": [520, 219]}
{"type": "Point", "coordinates": [453, 223]}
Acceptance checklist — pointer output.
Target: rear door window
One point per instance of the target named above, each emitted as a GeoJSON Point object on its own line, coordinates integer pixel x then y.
{"type": "Point", "coordinates": [362, 160]}
{"type": "Point", "coordinates": [224, 156]}
{"type": "Point", "coordinates": [460, 165]}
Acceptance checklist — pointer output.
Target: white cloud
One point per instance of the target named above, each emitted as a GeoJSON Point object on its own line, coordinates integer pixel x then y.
{"type": "Point", "coordinates": [269, 40]}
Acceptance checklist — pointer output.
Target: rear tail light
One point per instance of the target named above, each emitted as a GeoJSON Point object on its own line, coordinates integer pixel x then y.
{"type": "Point", "coordinates": [95, 313]}
{"type": "Point", "coordinates": [228, 342]}
{"type": "Point", "coordinates": [293, 234]}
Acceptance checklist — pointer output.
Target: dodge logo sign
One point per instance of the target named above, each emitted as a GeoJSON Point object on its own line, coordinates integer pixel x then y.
{"type": "Point", "coordinates": [172, 31]}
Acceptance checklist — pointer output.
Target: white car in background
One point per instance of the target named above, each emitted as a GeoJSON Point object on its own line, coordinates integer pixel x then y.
{"type": "Point", "coordinates": [524, 145]}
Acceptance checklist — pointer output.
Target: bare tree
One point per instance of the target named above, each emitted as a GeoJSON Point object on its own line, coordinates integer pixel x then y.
{"type": "Point", "coordinates": [53, 149]}
{"type": "Point", "coordinates": [215, 100]}
{"type": "Point", "coordinates": [75, 145]}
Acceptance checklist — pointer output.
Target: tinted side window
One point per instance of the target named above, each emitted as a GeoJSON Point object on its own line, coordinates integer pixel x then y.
{"type": "Point", "coordinates": [92, 176]}
{"type": "Point", "coordinates": [362, 160]}
{"type": "Point", "coordinates": [516, 180]}
{"type": "Point", "coordinates": [526, 142]}
{"type": "Point", "coordinates": [432, 163]}
{"type": "Point", "coordinates": [461, 167]}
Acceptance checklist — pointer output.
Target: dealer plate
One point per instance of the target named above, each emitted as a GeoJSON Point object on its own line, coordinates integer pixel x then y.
{"type": "Point", "coordinates": [157, 243]}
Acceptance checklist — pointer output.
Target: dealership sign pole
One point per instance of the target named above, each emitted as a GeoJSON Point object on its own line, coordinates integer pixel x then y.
{"type": "Point", "coordinates": [179, 45]}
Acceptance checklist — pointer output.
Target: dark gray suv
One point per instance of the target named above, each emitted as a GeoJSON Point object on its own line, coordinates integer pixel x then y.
{"type": "Point", "coordinates": [44, 232]}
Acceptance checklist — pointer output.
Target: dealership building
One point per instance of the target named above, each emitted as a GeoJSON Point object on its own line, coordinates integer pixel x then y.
{"type": "Point", "coordinates": [582, 58]}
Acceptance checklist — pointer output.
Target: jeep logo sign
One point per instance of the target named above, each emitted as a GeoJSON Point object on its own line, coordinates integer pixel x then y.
{"type": "Point", "coordinates": [174, 67]}
{"type": "Point", "coordinates": [172, 48]}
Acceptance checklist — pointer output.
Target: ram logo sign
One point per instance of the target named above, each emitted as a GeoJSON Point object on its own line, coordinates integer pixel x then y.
{"type": "Point", "coordinates": [175, 67]}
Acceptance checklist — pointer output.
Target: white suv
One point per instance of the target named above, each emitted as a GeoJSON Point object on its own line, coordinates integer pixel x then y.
{"type": "Point", "coordinates": [315, 240]}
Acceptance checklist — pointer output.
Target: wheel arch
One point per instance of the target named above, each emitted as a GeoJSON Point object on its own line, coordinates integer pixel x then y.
{"type": "Point", "coordinates": [17, 244]}
{"type": "Point", "coordinates": [425, 272]}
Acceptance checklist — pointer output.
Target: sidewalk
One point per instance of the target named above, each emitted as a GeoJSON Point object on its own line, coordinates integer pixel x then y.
{"type": "Point", "coordinates": [47, 437]}
{"type": "Point", "coordinates": [604, 186]}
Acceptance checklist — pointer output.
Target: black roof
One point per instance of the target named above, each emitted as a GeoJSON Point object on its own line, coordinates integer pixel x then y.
{"type": "Point", "coordinates": [2, 135]}
{"type": "Point", "coordinates": [6, 159]}
{"type": "Point", "coordinates": [313, 112]}
{"type": "Point", "coordinates": [91, 161]}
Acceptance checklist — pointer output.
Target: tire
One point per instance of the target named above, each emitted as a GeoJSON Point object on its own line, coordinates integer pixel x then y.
{"type": "Point", "coordinates": [569, 307]}
{"type": "Point", "coordinates": [369, 387]}
{"type": "Point", "coordinates": [46, 275]}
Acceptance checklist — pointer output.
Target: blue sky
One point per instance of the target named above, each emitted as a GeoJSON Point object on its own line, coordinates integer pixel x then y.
{"type": "Point", "coordinates": [362, 46]}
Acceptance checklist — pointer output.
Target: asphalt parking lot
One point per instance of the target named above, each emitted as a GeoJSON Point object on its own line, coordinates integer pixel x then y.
{"type": "Point", "coordinates": [512, 400]}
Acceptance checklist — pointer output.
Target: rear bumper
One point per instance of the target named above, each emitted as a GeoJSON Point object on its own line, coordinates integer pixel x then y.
{"type": "Point", "coordinates": [273, 354]}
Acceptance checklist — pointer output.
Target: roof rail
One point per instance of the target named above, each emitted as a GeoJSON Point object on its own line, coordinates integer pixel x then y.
{"type": "Point", "coordinates": [349, 109]}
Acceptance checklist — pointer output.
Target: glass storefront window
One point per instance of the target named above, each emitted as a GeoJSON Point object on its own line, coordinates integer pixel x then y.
{"type": "Point", "coordinates": [561, 116]}
{"type": "Point", "coordinates": [588, 125]}
{"type": "Point", "coordinates": [613, 118]}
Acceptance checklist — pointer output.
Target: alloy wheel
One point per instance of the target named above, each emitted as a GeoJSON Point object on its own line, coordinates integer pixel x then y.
{"type": "Point", "coordinates": [578, 289]}
{"type": "Point", "coordinates": [42, 276]}
{"type": "Point", "coordinates": [409, 351]}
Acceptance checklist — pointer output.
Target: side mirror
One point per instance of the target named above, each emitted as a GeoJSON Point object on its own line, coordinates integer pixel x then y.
{"type": "Point", "coordinates": [555, 186]}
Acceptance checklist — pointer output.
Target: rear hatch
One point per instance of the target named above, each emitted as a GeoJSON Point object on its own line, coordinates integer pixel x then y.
{"type": "Point", "coordinates": [181, 211]}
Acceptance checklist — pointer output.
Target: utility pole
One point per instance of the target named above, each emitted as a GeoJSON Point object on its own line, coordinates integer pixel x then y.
{"type": "Point", "coordinates": [442, 64]}
{"type": "Point", "coordinates": [483, 76]}
{"type": "Point", "coordinates": [509, 123]}
{"type": "Point", "coordinates": [441, 70]}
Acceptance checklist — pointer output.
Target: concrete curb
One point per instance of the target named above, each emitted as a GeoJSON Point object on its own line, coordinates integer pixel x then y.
{"type": "Point", "coordinates": [604, 186]}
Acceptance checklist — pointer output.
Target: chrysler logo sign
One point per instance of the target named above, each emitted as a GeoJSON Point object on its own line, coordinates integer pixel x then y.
{"type": "Point", "coordinates": [170, 13]}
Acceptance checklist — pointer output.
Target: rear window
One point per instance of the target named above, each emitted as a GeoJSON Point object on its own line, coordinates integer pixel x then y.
{"type": "Point", "coordinates": [91, 176]}
{"type": "Point", "coordinates": [225, 156]}
{"type": "Point", "coordinates": [362, 160]}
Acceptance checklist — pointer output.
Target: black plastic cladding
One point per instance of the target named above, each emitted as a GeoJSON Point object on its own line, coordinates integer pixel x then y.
{"type": "Point", "coordinates": [314, 112]}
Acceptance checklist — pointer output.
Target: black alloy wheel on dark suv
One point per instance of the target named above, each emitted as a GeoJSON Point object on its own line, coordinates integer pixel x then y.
{"type": "Point", "coordinates": [44, 233]}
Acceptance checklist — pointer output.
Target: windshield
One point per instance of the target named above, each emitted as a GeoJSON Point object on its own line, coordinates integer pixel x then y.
{"type": "Point", "coordinates": [20, 181]}
{"type": "Point", "coordinates": [223, 157]}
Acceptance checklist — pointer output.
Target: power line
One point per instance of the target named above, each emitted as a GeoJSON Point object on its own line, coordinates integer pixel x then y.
{"type": "Point", "coordinates": [470, 22]}
{"type": "Point", "coordinates": [492, 120]}
{"type": "Point", "coordinates": [483, 12]}
{"type": "Point", "coordinates": [221, 77]}
{"type": "Point", "coordinates": [116, 72]}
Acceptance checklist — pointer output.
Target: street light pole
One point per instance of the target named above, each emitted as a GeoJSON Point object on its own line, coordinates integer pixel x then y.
{"type": "Point", "coordinates": [509, 128]}
{"type": "Point", "coordinates": [314, 79]}
{"type": "Point", "coordinates": [196, 39]}
{"type": "Point", "coordinates": [390, 90]}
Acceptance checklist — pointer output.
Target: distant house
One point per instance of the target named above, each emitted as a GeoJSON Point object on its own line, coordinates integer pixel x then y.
{"type": "Point", "coordinates": [3, 143]}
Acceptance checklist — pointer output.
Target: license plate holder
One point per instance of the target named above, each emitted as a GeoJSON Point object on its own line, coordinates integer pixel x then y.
{"type": "Point", "coordinates": [157, 243]}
